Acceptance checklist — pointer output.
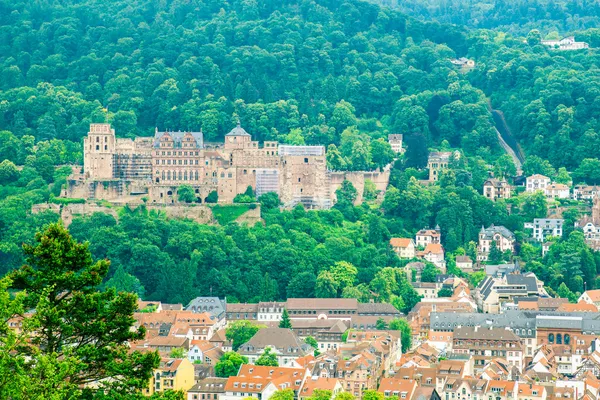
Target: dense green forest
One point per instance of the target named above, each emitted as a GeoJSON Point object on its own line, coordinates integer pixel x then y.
{"type": "Point", "coordinates": [341, 74]}
{"type": "Point", "coordinates": [512, 16]}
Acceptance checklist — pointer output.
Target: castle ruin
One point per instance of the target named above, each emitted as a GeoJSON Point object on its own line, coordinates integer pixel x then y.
{"type": "Point", "coordinates": [121, 169]}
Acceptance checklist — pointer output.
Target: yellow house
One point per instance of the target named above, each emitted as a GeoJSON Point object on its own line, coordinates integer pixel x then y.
{"type": "Point", "coordinates": [172, 374]}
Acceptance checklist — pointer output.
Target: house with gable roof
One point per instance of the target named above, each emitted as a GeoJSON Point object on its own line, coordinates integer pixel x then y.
{"type": "Point", "coordinates": [404, 247]}
{"type": "Point", "coordinates": [504, 239]}
{"type": "Point", "coordinates": [283, 342]}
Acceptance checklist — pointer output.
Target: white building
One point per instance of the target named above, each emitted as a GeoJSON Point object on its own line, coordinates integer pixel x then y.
{"type": "Point", "coordinates": [270, 311]}
{"type": "Point", "coordinates": [434, 253]}
{"type": "Point", "coordinates": [567, 43]}
{"type": "Point", "coordinates": [585, 192]}
{"type": "Point", "coordinates": [404, 247]}
{"type": "Point", "coordinates": [545, 227]}
{"type": "Point", "coordinates": [557, 191]}
{"type": "Point", "coordinates": [242, 387]}
{"type": "Point", "coordinates": [395, 141]}
{"type": "Point", "coordinates": [426, 236]}
{"type": "Point", "coordinates": [537, 182]}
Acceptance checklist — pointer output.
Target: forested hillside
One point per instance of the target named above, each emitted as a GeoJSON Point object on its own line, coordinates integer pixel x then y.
{"type": "Point", "coordinates": [514, 16]}
{"type": "Point", "coordinates": [313, 65]}
{"type": "Point", "coordinates": [341, 74]}
{"type": "Point", "coordinates": [550, 99]}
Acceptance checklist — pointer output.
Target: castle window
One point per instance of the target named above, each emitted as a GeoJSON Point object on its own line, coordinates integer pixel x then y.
{"type": "Point", "coordinates": [97, 147]}
{"type": "Point", "coordinates": [305, 160]}
{"type": "Point", "coordinates": [97, 139]}
{"type": "Point", "coordinates": [185, 176]}
{"type": "Point", "coordinates": [196, 162]}
{"type": "Point", "coordinates": [179, 175]}
{"type": "Point", "coordinates": [157, 162]}
{"type": "Point", "coordinates": [179, 162]}
{"type": "Point", "coordinates": [196, 175]}
{"type": "Point", "coordinates": [105, 147]}
{"type": "Point", "coordinates": [168, 162]}
{"type": "Point", "coordinates": [184, 162]}
{"type": "Point", "coordinates": [229, 175]}
{"type": "Point", "coordinates": [169, 175]}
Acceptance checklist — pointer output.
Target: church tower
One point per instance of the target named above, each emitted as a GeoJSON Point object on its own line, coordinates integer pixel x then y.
{"type": "Point", "coordinates": [99, 150]}
{"type": "Point", "coordinates": [596, 210]}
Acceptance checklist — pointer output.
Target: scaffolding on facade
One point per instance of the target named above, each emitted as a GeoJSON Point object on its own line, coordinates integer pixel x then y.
{"type": "Point", "coordinates": [267, 180]}
{"type": "Point", "coordinates": [285, 150]}
{"type": "Point", "coordinates": [132, 167]}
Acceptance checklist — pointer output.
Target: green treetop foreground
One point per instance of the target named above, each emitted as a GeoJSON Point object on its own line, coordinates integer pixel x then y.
{"type": "Point", "coordinates": [73, 338]}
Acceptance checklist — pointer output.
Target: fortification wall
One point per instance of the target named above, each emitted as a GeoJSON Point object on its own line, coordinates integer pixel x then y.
{"type": "Point", "coordinates": [39, 208]}
{"type": "Point", "coordinates": [250, 217]}
{"type": "Point", "coordinates": [70, 210]}
{"type": "Point", "coordinates": [381, 180]}
{"type": "Point", "coordinates": [196, 212]}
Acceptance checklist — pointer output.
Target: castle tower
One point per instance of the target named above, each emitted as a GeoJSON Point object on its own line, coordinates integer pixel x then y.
{"type": "Point", "coordinates": [238, 138]}
{"type": "Point", "coordinates": [596, 210]}
{"type": "Point", "coordinates": [395, 141]}
{"type": "Point", "coordinates": [98, 152]}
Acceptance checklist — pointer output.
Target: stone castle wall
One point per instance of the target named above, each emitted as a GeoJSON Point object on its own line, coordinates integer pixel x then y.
{"type": "Point", "coordinates": [380, 179]}
{"type": "Point", "coordinates": [199, 213]}
{"type": "Point", "coordinates": [196, 212]}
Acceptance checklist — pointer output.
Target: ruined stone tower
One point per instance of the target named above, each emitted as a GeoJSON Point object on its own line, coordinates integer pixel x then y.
{"type": "Point", "coordinates": [99, 150]}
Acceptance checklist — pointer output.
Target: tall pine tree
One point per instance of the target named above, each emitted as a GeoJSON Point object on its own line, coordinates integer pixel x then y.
{"type": "Point", "coordinates": [285, 320]}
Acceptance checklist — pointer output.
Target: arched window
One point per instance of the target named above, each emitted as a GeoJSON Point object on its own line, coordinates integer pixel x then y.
{"type": "Point", "coordinates": [559, 339]}
{"type": "Point", "coordinates": [567, 339]}
{"type": "Point", "coordinates": [551, 338]}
